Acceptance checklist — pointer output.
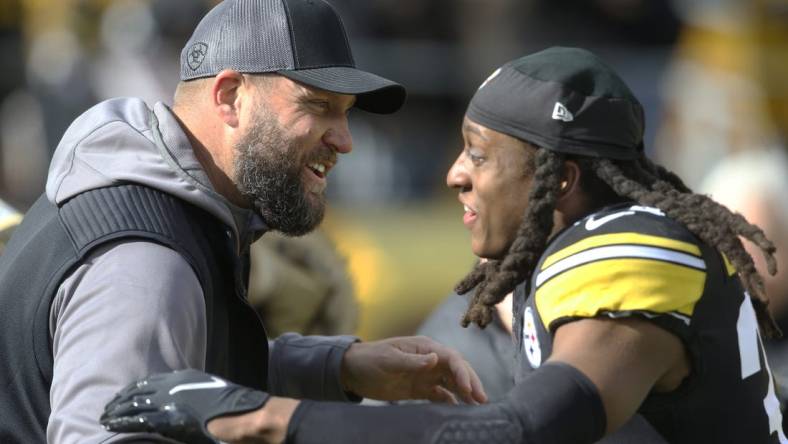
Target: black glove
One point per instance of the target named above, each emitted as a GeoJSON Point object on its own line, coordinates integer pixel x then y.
{"type": "Point", "coordinates": [178, 405]}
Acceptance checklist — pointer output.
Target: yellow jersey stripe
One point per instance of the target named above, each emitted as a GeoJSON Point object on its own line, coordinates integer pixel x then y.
{"type": "Point", "coordinates": [618, 251]}
{"type": "Point", "coordinates": [620, 285]}
{"type": "Point", "coordinates": [729, 268]}
{"type": "Point", "coordinates": [618, 239]}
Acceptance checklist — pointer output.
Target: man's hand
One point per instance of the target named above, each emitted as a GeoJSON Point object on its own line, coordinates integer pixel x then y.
{"type": "Point", "coordinates": [410, 368]}
{"type": "Point", "coordinates": [178, 405]}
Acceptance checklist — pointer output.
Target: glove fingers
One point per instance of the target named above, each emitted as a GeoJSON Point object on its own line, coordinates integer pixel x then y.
{"type": "Point", "coordinates": [135, 406]}
{"type": "Point", "coordinates": [127, 424]}
{"type": "Point", "coordinates": [129, 394]}
{"type": "Point", "coordinates": [147, 386]}
{"type": "Point", "coordinates": [153, 421]}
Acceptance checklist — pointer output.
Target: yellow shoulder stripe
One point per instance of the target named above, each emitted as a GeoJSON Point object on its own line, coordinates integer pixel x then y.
{"type": "Point", "coordinates": [621, 238]}
{"type": "Point", "coordinates": [618, 285]}
{"type": "Point", "coordinates": [729, 268]}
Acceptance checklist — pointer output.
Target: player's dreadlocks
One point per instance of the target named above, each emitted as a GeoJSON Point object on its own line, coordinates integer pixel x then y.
{"type": "Point", "coordinates": [608, 181]}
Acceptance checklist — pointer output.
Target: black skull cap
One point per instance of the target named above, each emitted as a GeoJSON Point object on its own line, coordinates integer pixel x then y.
{"type": "Point", "coordinates": [563, 99]}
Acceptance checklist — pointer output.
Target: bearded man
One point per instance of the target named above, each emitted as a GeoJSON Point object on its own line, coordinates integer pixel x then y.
{"type": "Point", "coordinates": [135, 260]}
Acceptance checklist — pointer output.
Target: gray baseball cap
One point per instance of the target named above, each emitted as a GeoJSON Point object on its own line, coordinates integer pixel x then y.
{"type": "Point", "coordinates": [303, 40]}
{"type": "Point", "coordinates": [563, 99]}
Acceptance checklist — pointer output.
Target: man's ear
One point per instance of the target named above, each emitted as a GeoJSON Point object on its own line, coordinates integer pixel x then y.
{"type": "Point", "coordinates": [227, 93]}
{"type": "Point", "coordinates": [570, 180]}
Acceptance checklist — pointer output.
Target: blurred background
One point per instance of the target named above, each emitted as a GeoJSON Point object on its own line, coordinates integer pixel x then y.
{"type": "Point", "coordinates": [711, 74]}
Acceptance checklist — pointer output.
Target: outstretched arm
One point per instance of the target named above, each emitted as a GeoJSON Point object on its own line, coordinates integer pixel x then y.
{"type": "Point", "coordinates": [391, 369]}
{"type": "Point", "coordinates": [600, 372]}
{"type": "Point", "coordinates": [157, 405]}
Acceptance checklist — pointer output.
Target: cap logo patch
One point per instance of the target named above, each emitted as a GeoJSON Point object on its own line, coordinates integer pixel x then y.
{"type": "Point", "coordinates": [561, 113]}
{"type": "Point", "coordinates": [197, 54]}
{"type": "Point", "coordinates": [492, 76]}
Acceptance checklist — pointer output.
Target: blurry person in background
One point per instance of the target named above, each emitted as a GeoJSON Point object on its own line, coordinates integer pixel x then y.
{"type": "Point", "coordinates": [724, 90]}
{"type": "Point", "coordinates": [489, 350]}
{"type": "Point", "coordinates": [302, 284]}
{"type": "Point", "coordinates": [754, 183]}
{"type": "Point", "coordinates": [135, 259]}
{"type": "Point", "coordinates": [637, 312]}
{"type": "Point", "coordinates": [9, 219]}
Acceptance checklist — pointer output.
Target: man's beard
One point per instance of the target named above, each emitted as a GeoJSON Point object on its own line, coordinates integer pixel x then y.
{"type": "Point", "coordinates": [268, 171]}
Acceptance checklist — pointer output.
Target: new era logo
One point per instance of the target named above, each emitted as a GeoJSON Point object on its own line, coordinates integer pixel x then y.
{"type": "Point", "coordinates": [492, 76]}
{"type": "Point", "coordinates": [561, 113]}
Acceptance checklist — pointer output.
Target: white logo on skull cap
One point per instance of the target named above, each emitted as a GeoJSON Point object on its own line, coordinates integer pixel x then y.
{"type": "Point", "coordinates": [492, 76]}
{"type": "Point", "coordinates": [561, 113]}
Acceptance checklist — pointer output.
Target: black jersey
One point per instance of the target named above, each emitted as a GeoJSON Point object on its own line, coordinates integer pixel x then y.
{"type": "Point", "coordinates": [629, 260]}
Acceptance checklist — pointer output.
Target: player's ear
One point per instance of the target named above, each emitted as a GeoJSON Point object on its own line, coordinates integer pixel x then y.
{"type": "Point", "coordinates": [570, 180]}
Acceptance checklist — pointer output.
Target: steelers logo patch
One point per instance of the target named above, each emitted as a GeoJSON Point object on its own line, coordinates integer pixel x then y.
{"type": "Point", "coordinates": [531, 340]}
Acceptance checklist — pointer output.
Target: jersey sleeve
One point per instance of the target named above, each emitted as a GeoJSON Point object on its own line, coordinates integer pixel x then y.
{"type": "Point", "coordinates": [637, 264]}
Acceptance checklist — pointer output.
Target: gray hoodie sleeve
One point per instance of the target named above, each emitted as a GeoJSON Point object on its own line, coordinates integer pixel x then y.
{"type": "Point", "coordinates": [131, 309]}
{"type": "Point", "coordinates": [308, 367]}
